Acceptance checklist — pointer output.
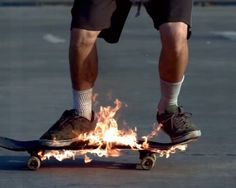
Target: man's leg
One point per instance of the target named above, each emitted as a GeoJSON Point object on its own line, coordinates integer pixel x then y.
{"type": "Point", "coordinates": [174, 53]}
{"type": "Point", "coordinates": [173, 62]}
{"type": "Point", "coordinates": [84, 69]}
{"type": "Point", "coordinates": [83, 58]}
{"type": "Point", "coordinates": [88, 19]}
{"type": "Point", "coordinates": [172, 66]}
{"type": "Point", "coordinates": [173, 19]}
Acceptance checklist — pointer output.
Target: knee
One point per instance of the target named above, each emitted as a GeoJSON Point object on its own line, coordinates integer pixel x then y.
{"type": "Point", "coordinates": [174, 37]}
{"type": "Point", "coordinates": [81, 38]}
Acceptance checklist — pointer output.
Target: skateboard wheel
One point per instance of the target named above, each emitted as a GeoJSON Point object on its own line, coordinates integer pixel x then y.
{"type": "Point", "coordinates": [147, 163]}
{"type": "Point", "coordinates": [33, 163]}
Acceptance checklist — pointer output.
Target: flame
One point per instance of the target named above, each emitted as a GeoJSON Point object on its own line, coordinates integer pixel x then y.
{"type": "Point", "coordinates": [107, 135]}
{"type": "Point", "coordinates": [172, 150]}
{"type": "Point", "coordinates": [58, 154]}
{"type": "Point", "coordinates": [107, 132]}
{"type": "Point", "coordinates": [156, 129]}
{"type": "Point", "coordinates": [87, 159]}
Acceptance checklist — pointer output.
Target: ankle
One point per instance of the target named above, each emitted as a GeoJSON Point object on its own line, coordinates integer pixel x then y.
{"type": "Point", "coordinates": [82, 102]}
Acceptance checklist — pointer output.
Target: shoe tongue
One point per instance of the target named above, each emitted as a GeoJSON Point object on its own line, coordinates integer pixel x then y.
{"type": "Point", "coordinates": [72, 112]}
{"type": "Point", "coordinates": [171, 109]}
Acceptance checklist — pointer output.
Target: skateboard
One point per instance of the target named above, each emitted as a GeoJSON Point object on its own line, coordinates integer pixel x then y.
{"type": "Point", "coordinates": [147, 155]}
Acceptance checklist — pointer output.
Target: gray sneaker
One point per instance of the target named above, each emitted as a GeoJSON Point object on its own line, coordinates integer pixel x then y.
{"type": "Point", "coordinates": [66, 130]}
{"type": "Point", "coordinates": [177, 124]}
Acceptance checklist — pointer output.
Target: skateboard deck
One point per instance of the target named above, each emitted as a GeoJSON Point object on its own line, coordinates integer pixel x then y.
{"type": "Point", "coordinates": [33, 147]}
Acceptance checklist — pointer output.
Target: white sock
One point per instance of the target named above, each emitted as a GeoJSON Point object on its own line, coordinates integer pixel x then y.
{"type": "Point", "coordinates": [82, 101]}
{"type": "Point", "coordinates": [169, 94]}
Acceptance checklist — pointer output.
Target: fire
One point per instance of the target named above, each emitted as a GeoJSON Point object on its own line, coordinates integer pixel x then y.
{"type": "Point", "coordinates": [172, 150]}
{"type": "Point", "coordinates": [106, 136]}
{"type": "Point", "coordinates": [59, 155]}
{"type": "Point", "coordinates": [87, 159]}
{"type": "Point", "coordinates": [107, 133]}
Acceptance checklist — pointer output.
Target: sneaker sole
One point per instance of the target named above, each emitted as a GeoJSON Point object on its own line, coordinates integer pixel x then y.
{"type": "Point", "coordinates": [189, 137]}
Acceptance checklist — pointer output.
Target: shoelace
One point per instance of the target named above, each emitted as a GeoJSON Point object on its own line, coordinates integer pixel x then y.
{"type": "Point", "coordinates": [67, 117]}
{"type": "Point", "coordinates": [180, 119]}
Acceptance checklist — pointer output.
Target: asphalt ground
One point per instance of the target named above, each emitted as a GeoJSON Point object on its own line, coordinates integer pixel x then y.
{"type": "Point", "coordinates": [35, 89]}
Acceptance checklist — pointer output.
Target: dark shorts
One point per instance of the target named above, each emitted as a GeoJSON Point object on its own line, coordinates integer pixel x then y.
{"type": "Point", "coordinates": [109, 16]}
